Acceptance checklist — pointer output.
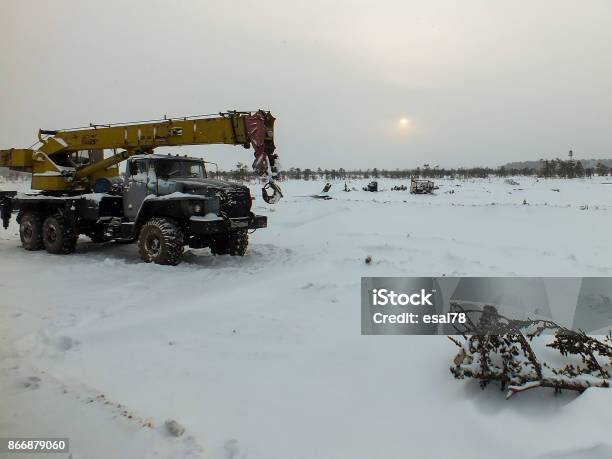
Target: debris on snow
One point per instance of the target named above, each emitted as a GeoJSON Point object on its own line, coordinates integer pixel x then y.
{"type": "Point", "coordinates": [32, 382]}
{"type": "Point", "coordinates": [493, 347]}
{"type": "Point", "coordinates": [174, 428]}
{"type": "Point", "coordinates": [421, 186]}
{"type": "Point", "coordinates": [372, 187]}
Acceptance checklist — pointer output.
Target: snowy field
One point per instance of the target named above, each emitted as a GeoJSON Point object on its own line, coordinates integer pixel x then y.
{"type": "Point", "coordinates": [261, 357]}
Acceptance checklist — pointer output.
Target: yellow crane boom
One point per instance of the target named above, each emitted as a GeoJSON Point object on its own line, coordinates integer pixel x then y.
{"type": "Point", "coordinates": [59, 164]}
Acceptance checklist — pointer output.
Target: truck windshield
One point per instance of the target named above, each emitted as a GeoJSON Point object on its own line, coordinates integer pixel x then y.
{"type": "Point", "coordinates": [175, 168]}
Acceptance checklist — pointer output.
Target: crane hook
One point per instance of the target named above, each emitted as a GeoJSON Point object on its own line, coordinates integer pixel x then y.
{"type": "Point", "coordinates": [276, 192]}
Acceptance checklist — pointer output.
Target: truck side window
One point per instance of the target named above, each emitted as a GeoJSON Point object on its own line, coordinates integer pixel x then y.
{"type": "Point", "coordinates": [138, 170]}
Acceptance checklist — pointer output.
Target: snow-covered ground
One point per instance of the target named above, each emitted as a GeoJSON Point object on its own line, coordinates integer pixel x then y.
{"type": "Point", "coordinates": [262, 357]}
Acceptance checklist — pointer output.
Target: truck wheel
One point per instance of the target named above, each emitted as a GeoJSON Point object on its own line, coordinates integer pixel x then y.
{"type": "Point", "coordinates": [59, 235]}
{"type": "Point", "coordinates": [161, 241]}
{"type": "Point", "coordinates": [234, 243]}
{"type": "Point", "coordinates": [30, 230]}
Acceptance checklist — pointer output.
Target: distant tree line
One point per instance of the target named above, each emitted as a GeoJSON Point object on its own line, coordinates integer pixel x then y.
{"type": "Point", "coordinates": [568, 169]}
{"type": "Point", "coordinates": [546, 169]}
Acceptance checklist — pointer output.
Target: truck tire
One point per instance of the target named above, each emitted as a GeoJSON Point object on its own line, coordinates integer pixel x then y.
{"type": "Point", "coordinates": [59, 235]}
{"type": "Point", "coordinates": [161, 241]}
{"type": "Point", "coordinates": [30, 230]}
{"type": "Point", "coordinates": [234, 243]}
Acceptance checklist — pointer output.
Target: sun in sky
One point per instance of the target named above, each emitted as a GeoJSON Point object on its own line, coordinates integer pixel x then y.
{"type": "Point", "coordinates": [404, 123]}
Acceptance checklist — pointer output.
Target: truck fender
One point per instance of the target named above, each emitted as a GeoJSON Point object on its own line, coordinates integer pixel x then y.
{"type": "Point", "coordinates": [179, 208]}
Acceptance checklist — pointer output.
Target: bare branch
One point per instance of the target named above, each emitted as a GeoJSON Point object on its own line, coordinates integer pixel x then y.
{"type": "Point", "coordinates": [496, 348]}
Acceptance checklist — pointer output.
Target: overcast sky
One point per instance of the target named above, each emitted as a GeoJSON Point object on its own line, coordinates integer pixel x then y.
{"type": "Point", "coordinates": [476, 82]}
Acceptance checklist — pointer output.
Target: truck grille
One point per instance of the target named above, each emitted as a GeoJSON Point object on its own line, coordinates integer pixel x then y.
{"type": "Point", "coordinates": [235, 203]}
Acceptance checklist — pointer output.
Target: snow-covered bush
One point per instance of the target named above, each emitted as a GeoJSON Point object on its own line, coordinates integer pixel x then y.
{"type": "Point", "coordinates": [495, 348]}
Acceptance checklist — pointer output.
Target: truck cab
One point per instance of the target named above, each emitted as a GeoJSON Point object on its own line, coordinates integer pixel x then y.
{"type": "Point", "coordinates": [169, 197]}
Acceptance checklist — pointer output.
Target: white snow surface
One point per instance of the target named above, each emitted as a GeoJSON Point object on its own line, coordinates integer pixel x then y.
{"type": "Point", "coordinates": [175, 195]}
{"type": "Point", "coordinates": [262, 357]}
{"type": "Point", "coordinates": [48, 174]}
{"type": "Point", "coordinates": [95, 197]}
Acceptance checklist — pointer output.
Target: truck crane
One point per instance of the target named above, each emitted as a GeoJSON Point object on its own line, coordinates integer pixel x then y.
{"type": "Point", "coordinates": [163, 201]}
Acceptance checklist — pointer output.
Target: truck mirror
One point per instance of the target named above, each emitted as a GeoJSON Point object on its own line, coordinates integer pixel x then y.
{"type": "Point", "coordinates": [132, 168]}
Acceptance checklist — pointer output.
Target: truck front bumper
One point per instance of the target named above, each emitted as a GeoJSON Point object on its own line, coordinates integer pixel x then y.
{"type": "Point", "coordinates": [204, 225]}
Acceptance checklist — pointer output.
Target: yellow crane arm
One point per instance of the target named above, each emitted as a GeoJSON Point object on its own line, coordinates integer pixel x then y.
{"type": "Point", "coordinates": [53, 170]}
